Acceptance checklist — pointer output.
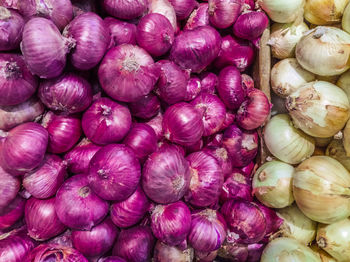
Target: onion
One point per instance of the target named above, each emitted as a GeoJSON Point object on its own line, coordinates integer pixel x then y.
{"type": "Point", "coordinates": [208, 230]}
{"type": "Point", "coordinates": [229, 120]}
{"type": "Point", "coordinates": [273, 221]}
{"type": "Point", "coordinates": [121, 32]}
{"type": "Point", "coordinates": [182, 124]}
{"type": "Point", "coordinates": [345, 19]}
{"type": "Point", "coordinates": [156, 124]}
{"type": "Point", "coordinates": [125, 9]}
{"type": "Point", "coordinates": [236, 185]}
{"type": "Point", "coordinates": [165, 8]}
{"type": "Point", "coordinates": [196, 49]}
{"type": "Point", "coordinates": [233, 252]}
{"type": "Point", "coordinates": [337, 151]}
{"type": "Point", "coordinates": [23, 148]}
{"type": "Point", "coordinates": [326, 111]}
{"type": "Point", "coordinates": [9, 188]}
{"type": "Point", "coordinates": [206, 256]}
{"type": "Point", "coordinates": [146, 107]}
{"type": "Point", "coordinates": [286, 142]}
{"type": "Point", "coordinates": [17, 84]}
{"type": "Point", "coordinates": [10, 214]}
{"type": "Point", "coordinates": [77, 206]}
{"type": "Point", "coordinates": [223, 13]}
{"type": "Point", "coordinates": [127, 73]}
{"type": "Point", "coordinates": [11, 25]}
{"type": "Point", "coordinates": [80, 7]}
{"type": "Point", "coordinates": [199, 17]}
{"type": "Point", "coordinates": [97, 241]}
{"type": "Point", "coordinates": [344, 83]}
{"type": "Point", "coordinates": [165, 253]}
{"type": "Point", "coordinates": [65, 239]}
{"type": "Point", "coordinates": [106, 121]}
{"type": "Point", "coordinates": [325, 257]}
{"type": "Point", "coordinates": [241, 145]}
{"type": "Point", "coordinates": [324, 12]}
{"type": "Point", "coordinates": [209, 82]}
{"type": "Point", "coordinates": [165, 145]}
{"type": "Point", "coordinates": [68, 93]}
{"type": "Point", "coordinates": [282, 12]}
{"type": "Point", "coordinates": [250, 25]}
{"type": "Point", "coordinates": [193, 88]}
{"type": "Point", "coordinates": [166, 176]}
{"type": "Point", "coordinates": [230, 87]}
{"type": "Point", "coordinates": [112, 259]}
{"type": "Point", "coordinates": [183, 8]}
{"type": "Point", "coordinates": [135, 244]}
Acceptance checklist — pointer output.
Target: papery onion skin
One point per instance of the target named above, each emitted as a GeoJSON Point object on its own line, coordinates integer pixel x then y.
{"type": "Point", "coordinates": [232, 251]}
{"type": "Point", "coordinates": [346, 138]}
{"type": "Point", "coordinates": [336, 150]}
{"type": "Point", "coordinates": [273, 221]}
{"type": "Point", "coordinates": [183, 8]}
{"type": "Point", "coordinates": [324, 12]}
{"type": "Point", "coordinates": [12, 212]}
{"type": "Point", "coordinates": [65, 239]}
{"type": "Point", "coordinates": [250, 25]}
{"type": "Point", "coordinates": [112, 259]}
{"type": "Point", "coordinates": [121, 32]}
{"type": "Point", "coordinates": [199, 17]}
{"type": "Point", "coordinates": [146, 107]}
{"type": "Point", "coordinates": [9, 188]}
{"type": "Point", "coordinates": [193, 88]}
{"type": "Point", "coordinates": [325, 257]}
{"type": "Point", "coordinates": [345, 19]}
{"type": "Point", "coordinates": [236, 185]}
{"type": "Point", "coordinates": [209, 82]}
{"type": "Point", "coordinates": [11, 25]}
{"type": "Point", "coordinates": [80, 7]}
{"type": "Point", "coordinates": [282, 12]}
{"type": "Point", "coordinates": [156, 124]}
{"type": "Point", "coordinates": [165, 8]}
{"type": "Point", "coordinates": [223, 13]}
{"type": "Point", "coordinates": [165, 253]}
{"type": "Point", "coordinates": [206, 256]}
{"type": "Point", "coordinates": [125, 9]}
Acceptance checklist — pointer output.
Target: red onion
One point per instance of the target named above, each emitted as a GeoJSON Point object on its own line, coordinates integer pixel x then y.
{"type": "Point", "coordinates": [77, 206]}
{"type": "Point", "coordinates": [125, 9]}
{"type": "Point", "coordinates": [223, 13]}
{"type": "Point", "coordinates": [65, 239]}
{"type": "Point", "coordinates": [58, 11]}
{"type": "Point", "coordinates": [247, 82]}
{"type": "Point", "coordinates": [92, 38]}
{"type": "Point", "coordinates": [255, 251]}
{"type": "Point", "coordinates": [213, 140]}
{"type": "Point", "coordinates": [9, 188]}
{"type": "Point", "coordinates": [171, 223]}
{"type": "Point", "coordinates": [106, 121]}
{"type": "Point", "coordinates": [155, 34]}
{"type": "Point", "coordinates": [17, 84]}
{"type": "Point", "coordinates": [135, 244]}
{"type": "Point", "coordinates": [127, 73]}
{"type": "Point", "coordinates": [193, 88]}
{"type": "Point", "coordinates": [97, 241]}
{"type": "Point", "coordinates": [183, 8]}
{"type": "Point", "coordinates": [80, 7]}
{"type": "Point", "coordinates": [165, 253]}
{"type": "Point", "coordinates": [241, 145]}
{"type": "Point", "coordinates": [114, 172]}
{"type": "Point", "coordinates": [230, 87]}
{"type": "Point", "coordinates": [164, 145]}
{"type": "Point", "coordinates": [10, 4]}
{"type": "Point", "coordinates": [23, 148]}
{"type": "Point", "coordinates": [229, 120]}
{"type": "Point", "coordinates": [146, 107]}
{"type": "Point", "coordinates": [182, 124]}
{"type": "Point", "coordinates": [208, 230]}
{"type": "Point", "coordinates": [10, 214]}
{"type": "Point", "coordinates": [236, 185]}
{"type": "Point", "coordinates": [11, 116]}
{"type": "Point", "coordinates": [112, 259]}
{"type": "Point", "coordinates": [78, 159]}
{"type": "Point", "coordinates": [41, 219]}
{"type": "Point", "coordinates": [248, 169]}
{"type": "Point", "coordinates": [195, 147]}
{"type": "Point", "coordinates": [129, 212]}
{"type": "Point", "coordinates": [221, 155]}
{"type": "Point", "coordinates": [245, 221]}
{"type": "Point", "coordinates": [206, 256]}
{"type": "Point", "coordinates": [234, 252]}
{"type": "Point", "coordinates": [250, 25]}
{"type": "Point", "coordinates": [209, 82]}
{"type": "Point", "coordinates": [166, 176]}
{"type": "Point", "coordinates": [273, 222]}
{"type": "Point", "coordinates": [11, 26]}
{"type": "Point", "coordinates": [121, 32]}
{"type": "Point", "coordinates": [157, 124]}
{"type": "Point", "coordinates": [249, 4]}
{"type": "Point", "coordinates": [165, 8]}
{"type": "Point", "coordinates": [43, 48]}
{"type": "Point", "coordinates": [196, 49]}
{"type": "Point", "coordinates": [44, 181]}
{"type": "Point", "coordinates": [199, 17]}
{"type": "Point", "coordinates": [68, 93]}
{"type": "Point", "coordinates": [254, 111]}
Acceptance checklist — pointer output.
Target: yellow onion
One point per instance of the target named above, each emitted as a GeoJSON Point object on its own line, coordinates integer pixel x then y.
{"type": "Point", "coordinates": [346, 19]}
{"type": "Point", "coordinates": [324, 12]}
{"type": "Point", "coordinates": [324, 51]}
{"type": "Point", "coordinates": [284, 38]}
{"type": "Point", "coordinates": [346, 139]}
{"type": "Point", "coordinates": [323, 141]}
{"type": "Point", "coordinates": [324, 256]}
{"type": "Point", "coordinates": [321, 188]}
{"type": "Point", "coordinates": [296, 225]}
{"type": "Point", "coordinates": [282, 11]}
{"type": "Point", "coordinates": [272, 184]}
{"type": "Point", "coordinates": [336, 150]}
{"type": "Point", "coordinates": [286, 142]}
{"type": "Point", "coordinates": [319, 108]}
{"type": "Point", "coordinates": [335, 239]}
{"type": "Point", "coordinates": [344, 82]}
{"type": "Point", "coordinates": [288, 250]}
{"type": "Point", "coordinates": [287, 76]}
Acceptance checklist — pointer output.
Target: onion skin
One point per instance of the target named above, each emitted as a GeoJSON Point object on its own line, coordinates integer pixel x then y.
{"type": "Point", "coordinates": [12, 213]}
{"type": "Point", "coordinates": [125, 9]}
{"type": "Point", "coordinates": [221, 155]}
{"type": "Point", "coordinates": [165, 253]}
{"type": "Point", "coordinates": [183, 8]}
{"type": "Point", "coordinates": [80, 7]}
{"type": "Point", "coordinates": [273, 221]}
{"type": "Point", "coordinates": [209, 82]}
{"type": "Point", "coordinates": [236, 185]}
{"type": "Point", "coordinates": [199, 17]}
{"type": "Point", "coordinates": [9, 188]}
{"type": "Point", "coordinates": [193, 88]}
{"type": "Point", "coordinates": [112, 259]}
{"type": "Point", "coordinates": [324, 12]}
{"type": "Point", "coordinates": [65, 239]}
{"type": "Point", "coordinates": [282, 12]}
{"type": "Point", "coordinates": [250, 25]}
{"type": "Point", "coordinates": [156, 124]}
{"type": "Point", "coordinates": [165, 8]}
{"type": "Point", "coordinates": [146, 107]}
{"type": "Point", "coordinates": [223, 13]}
{"type": "Point", "coordinates": [121, 32]}
{"type": "Point", "coordinates": [11, 25]}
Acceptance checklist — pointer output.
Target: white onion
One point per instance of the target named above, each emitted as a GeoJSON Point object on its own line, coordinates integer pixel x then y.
{"type": "Point", "coordinates": [344, 83]}
{"type": "Point", "coordinates": [282, 11]}
{"type": "Point", "coordinates": [324, 12]}
{"type": "Point", "coordinates": [346, 139]}
{"type": "Point", "coordinates": [346, 19]}
{"type": "Point", "coordinates": [336, 150]}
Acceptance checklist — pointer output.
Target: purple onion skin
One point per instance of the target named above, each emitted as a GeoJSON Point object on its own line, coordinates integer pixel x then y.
{"type": "Point", "coordinates": [171, 223]}
{"type": "Point", "coordinates": [223, 13]}
{"type": "Point", "coordinates": [193, 88]}
{"type": "Point", "coordinates": [106, 121]}
{"type": "Point", "coordinates": [114, 172]}
{"type": "Point", "coordinates": [208, 230]}
{"type": "Point", "coordinates": [165, 253]}
{"type": "Point", "coordinates": [11, 26]}
{"type": "Point", "coordinates": [12, 212]}
{"type": "Point", "coordinates": [241, 145]}
{"type": "Point", "coordinates": [245, 221]}
{"type": "Point", "coordinates": [166, 176]}
{"type": "Point", "coordinates": [77, 206]}
{"type": "Point", "coordinates": [129, 212]}
{"type": "Point", "coordinates": [196, 49]}
{"type": "Point", "coordinates": [199, 17]}
{"type": "Point", "coordinates": [89, 32]}
{"type": "Point", "coordinates": [23, 148]}
{"type": "Point", "coordinates": [221, 155]}
{"type": "Point", "coordinates": [250, 25]}
{"type": "Point", "coordinates": [44, 181]}
{"type": "Point", "coordinates": [206, 256]}
{"type": "Point", "coordinates": [183, 8]}
{"type": "Point", "coordinates": [127, 73]}
{"type": "Point", "coordinates": [78, 159]}
{"type": "Point", "coordinates": [9, 188]}
{"type": "Point", "coordinates": [229, 120]}
{"type": "Point", "coordinates": [43, 48]}
{"type": "Point", "coordinates": [157, 124]}
{"type": "Point", "coordinates": [165, 144]}
{"type": "Point", "coordinates": [146, 107]}
{"type": "Point", "coordinates": [65, 239]}
{"type": "Point", "coordinates": [255, 252]}
{"type": "Point", "coordinates": [209, 82]}
{"type": "Point", "coordinates": [121, 32]}
{"type": "Point", "coordinates": [234, 252]}
{"type": "Point", "coordinates": [195, 147]}
{"type": "Point", "coordinates": [213, 140]}
{"type": "Point", "coordinates": [68, 93]}
{"type": "Point", "coordinates": [80, 7]}
{"type": "Point", "coordinates": [135, 244]}
{"type": "Point", "coordinates": [248, 169]}
{"type": "Point", "coordinates": [112, 259]}
{"type": "Point", "coordinates": [236, 185]}
{"type": "Point", "coordinates": [97, 241]}
{"type": "Point", "coordinates": [17, 84]}
{"type": "Point", "coordinates": [273, 222]}
{"type": "Point", "coordinates": [125, 9]}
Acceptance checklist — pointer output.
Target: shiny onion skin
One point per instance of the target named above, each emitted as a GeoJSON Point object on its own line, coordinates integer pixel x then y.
{"type": "Point", "coordinates": [145, 107]}
{"type": "Point", "coordinates": [77, 206]}
{"type": "Point", "coordinates": [129, 212]}
{"type": "Point", "coordinates": [155, 34]}
{"type": "Point", "coordinates": [106, 121]}
{"type": "Point", "coordinates": [250, 25]}
{"type": "Point", "coordinates": [223, 13]}
{"type": "Point", "coordinates": [97, 241]}
{"type": "Point", "coordinates": [199, 17]}
{"type": "Point", "coordinates": [273, 221]}
{"type": "Point", "coordinates": [156, 124]}
{"type": "Point", "coordinates": [206, 179]}
{"type": "Point", "coordinates": [9, 188]}
{"type": "Point", "coordinates": [12, 212]}
{"type": "Point", "coordinates": [11, 26]}
{"type": "Point", "coordinates": [165, 8]}
{"type": "Point", "coordinates": [221, 155]}
{"type": "Point", "coordinates": [45, 180]}
{"type": "Point", "coordinates": [89, 32]}
{"type": "Point", "coordinates": [195, 147]}
{"type": "Point", "coordinates": [193, 88]}
{"type": "Point", "coordinates": [64, 131]}
{"type": "Point", "coordinates": [196, 49]}
{"type": "Point", "coordinates": [182, 124]}
{"type": "Point", "coordinates": [208, 230]}
{"type": "Point", "coordinates": [167, 145]}
{"type": "Point", "coordinates": [209, 82]}
{"type": "Point", "coordinates": [41, 219]}
{"type": "Point", "coordinates": [236, 185]}
{"type": "Point", "coordinates": [171, 223]}
{"type": "Point", "coordinates": [127, 73]}
{"type": "Point", "coordinates": [166, 176]}
{"type": "Point", "coordinates": [23, 148]}
{"type": "Point", "coordinates": [165, 253]}
{"type": "Point", "coordinates": [135, 244]}
{"type": "Point", "coordinates": [121, 32]}
{"type": "Point", "coordinates": [68, 93]}
{"type": "Point", "coordinates": [183, 8]}
{"type": "Point", "coordinates": [112, 259]}
{"type": "Point", "coordinates": [65, 239]}
{"type": "Point", "coordinates": [125, 9]}
{"type": "Point", "coordinates": [17, 84]}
